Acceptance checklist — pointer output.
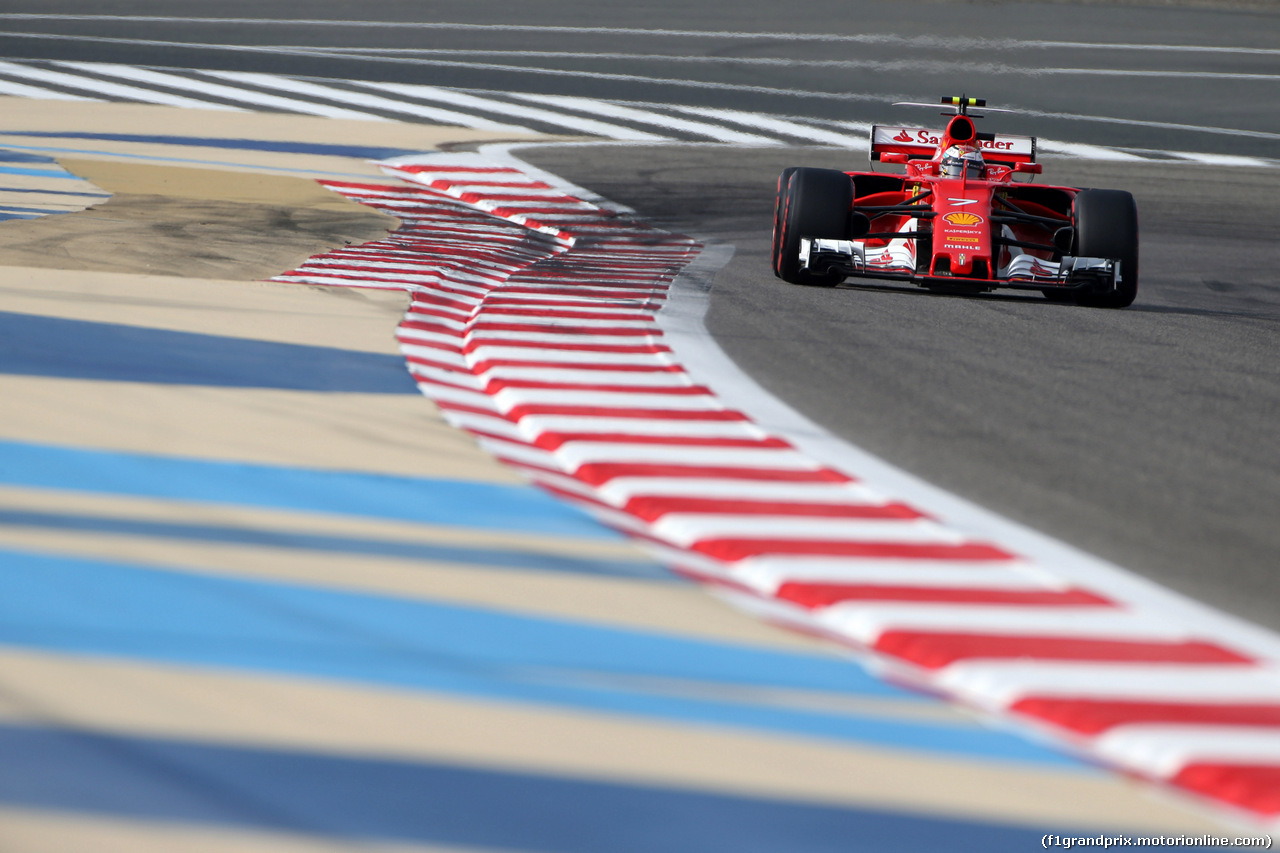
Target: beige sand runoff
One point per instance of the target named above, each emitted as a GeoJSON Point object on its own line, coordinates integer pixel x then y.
{"type": "Point", "coordinates": [184, 244]}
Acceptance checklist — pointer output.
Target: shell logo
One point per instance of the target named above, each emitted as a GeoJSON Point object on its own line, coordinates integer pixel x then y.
{"type": "Point", "coordinates": [963, 218]}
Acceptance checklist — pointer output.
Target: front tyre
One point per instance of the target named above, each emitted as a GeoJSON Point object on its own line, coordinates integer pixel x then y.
{"type": "Point", "coordinates": [1106, 223]}
{"type": "Point", "coordinates": [778, 206]}
{"type": "Point", "coordinates": [811, 203]}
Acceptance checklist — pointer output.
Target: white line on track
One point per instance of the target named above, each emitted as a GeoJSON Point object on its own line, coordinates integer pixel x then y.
{"type": "Point", "coordinates": [174, 81]}
{"type": "Point", "coordinates": [21, 90]}
{"type": "Point", "coordinates": [462, 99]}
{"type": "Point", "coordinates": [104, 87]}
{"type": "Point", "coordinates": [301, 87]}
{"type": "Point", "coordinates": [613, 110]}
{"type": "Point", "coordinates": [776, 124]}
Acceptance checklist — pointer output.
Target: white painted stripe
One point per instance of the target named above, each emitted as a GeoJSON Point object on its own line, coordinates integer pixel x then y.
{"type": "Point", "coordinates": [636, 379]}
{"type": "Point", "coordinates": [300, 87]}
{"type": "Point", "coordinates": [485, 424]}
{"type": "Point", "coordinates": [601, 424]}
{"type": "Point", "coordinates": [21, 90]}
{"type": "Point", "coordinates": [998, 684]}
{"type": "Point", "coordinates": [509, 398]}
{"type": "Point", "coordinates": [461, 99]}
{"type": "Point", "coordinates": [461, 396]}
{"type": "Point", "coordinates": [771, 572]}
{"type": "Point", "coordinates": [104, 87]}
{"type": "Point", "coordinates": [905, 573]}
{"type": "Point", "coordinates": [866, 621]}
{"type": "Point", "coordinates": [440, 376]}
{"type": "Point", "coordinates": [216, 90]}
{"type": "Point", "coordinates": [576, 454]}
{"type": "Point", "coordinates": [552, 321]}
{"type": "Point", "coordinates": [621, 490]}
{"type": "Point", "coordinates": [514, 453]}
{"type": "Point", "coordinates": [689, 528]}
{"type": "Point", "coordinates": [578, 314]}
{"type": "Point", "coordinates": [497, 352]}
{"type": "Point", "coordinates": [439, 356]}
{"type": "Point", "coordinates": [422, 337]}
{"type": "Point", "coordinates": [613, 110]}
{"type": "Point", "coordinates": [1164, 750]}
{"type": "Point", "coordinates": [779, 125]}
{"type": "Point", "coordinates": [457, 324]}
{"type": "Point", "coordinates": [490, 336]}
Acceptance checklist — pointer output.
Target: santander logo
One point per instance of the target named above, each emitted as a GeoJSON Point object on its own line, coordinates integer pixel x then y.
{"type": "Point", "coordinates": [914, 136]}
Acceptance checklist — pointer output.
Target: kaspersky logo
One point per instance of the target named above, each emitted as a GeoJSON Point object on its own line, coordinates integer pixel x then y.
{"type": "Point", "coordinates": [963, 218]}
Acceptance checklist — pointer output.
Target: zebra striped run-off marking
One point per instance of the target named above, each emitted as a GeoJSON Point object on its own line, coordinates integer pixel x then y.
{"type": "Point", "coordinates": [534, 326]}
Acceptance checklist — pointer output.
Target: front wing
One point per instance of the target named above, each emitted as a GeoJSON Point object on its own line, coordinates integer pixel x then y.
{"type": "Point", "coordinates": [897, 261]}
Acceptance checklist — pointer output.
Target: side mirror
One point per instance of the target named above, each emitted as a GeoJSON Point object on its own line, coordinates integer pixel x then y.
{"type": "Point", "coordinates": [1029, 168]}
{"type": "Point", "coordinates": [893, 157]}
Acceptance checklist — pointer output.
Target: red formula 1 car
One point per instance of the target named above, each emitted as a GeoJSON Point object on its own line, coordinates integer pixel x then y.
{"type": "Point", "coordinates": [956, 221]}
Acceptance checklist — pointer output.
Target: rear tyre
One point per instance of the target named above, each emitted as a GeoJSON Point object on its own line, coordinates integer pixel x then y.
{"type": "Point", "coordinates": [812, 203]}
{"type": "Point", "coordinates": [1106, 223]}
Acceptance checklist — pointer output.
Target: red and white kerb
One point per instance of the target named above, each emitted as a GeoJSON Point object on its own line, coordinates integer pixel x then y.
{"type": "Point", "coordinates": [532, 326]}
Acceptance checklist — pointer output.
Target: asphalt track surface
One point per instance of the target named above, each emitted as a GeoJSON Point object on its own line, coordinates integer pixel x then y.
{"type": "Point", "coordinates": [1145, 436]}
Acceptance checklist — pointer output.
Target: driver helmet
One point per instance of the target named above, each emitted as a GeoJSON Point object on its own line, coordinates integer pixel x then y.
{"type": "Point", "coordinates": [957, 161]}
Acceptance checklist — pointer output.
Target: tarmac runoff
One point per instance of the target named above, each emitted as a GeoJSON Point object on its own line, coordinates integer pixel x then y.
{"type": "Point", "coordinates": [245, 568]}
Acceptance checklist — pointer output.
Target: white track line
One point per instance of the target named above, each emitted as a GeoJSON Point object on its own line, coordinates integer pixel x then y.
{"type": "Point", "coordinates": [300, 87]}
{"type": "Point", "coordinates": [570, 122]}
{"type": "Point", "coordinates": [216, 90]}
{"type": "Point", "coordinates": [612, 110]}
{"type": "Point", "coordinates": [105, 87]}
{"type": "Point", "coordinates": [20, 90]}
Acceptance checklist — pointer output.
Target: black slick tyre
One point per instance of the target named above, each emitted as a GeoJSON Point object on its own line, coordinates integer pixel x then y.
{"type": "Point", "coordinates": [778, 205]}
{"type": "Point", "coordinates": [1106, 223]}
{"type": "Point", "coordinates": [812, 203]}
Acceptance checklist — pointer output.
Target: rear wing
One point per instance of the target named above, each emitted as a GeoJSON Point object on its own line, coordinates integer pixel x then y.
{"type": "Point", "coordinates": [921, 143]}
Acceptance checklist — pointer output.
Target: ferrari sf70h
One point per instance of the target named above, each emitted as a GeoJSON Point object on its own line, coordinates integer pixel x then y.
{"type": "Point", "coordinates": [956, 220]}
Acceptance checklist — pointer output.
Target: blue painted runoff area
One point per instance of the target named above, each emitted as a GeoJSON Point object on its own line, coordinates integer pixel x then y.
{"type": "Point", "coordinates": [39, 211]}
{"type": "Point", "coordinates": [488, 558]}
{"type": "Point", "coordinates": [55, 172]}
{"type": "Point", "coordinates": [369, 799]}
{"type": "Point", "coordinates": [362, 152]}
{"type": "Point", "coordinates": [73, 605]}
{"type": "Point", "coordinates": [8, 156]}
{"type": "Point", "coordinates": [35, 345]}
{"type": "Point", "coordinates": [462, 503]}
